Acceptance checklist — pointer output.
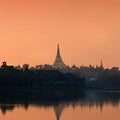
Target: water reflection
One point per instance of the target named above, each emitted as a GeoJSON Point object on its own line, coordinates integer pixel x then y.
{"type": "Point", "coordinates": [57, 99]}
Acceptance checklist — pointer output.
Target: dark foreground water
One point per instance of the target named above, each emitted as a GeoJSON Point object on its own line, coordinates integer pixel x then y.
{"type": "Point", "coordinates": [59, 105]}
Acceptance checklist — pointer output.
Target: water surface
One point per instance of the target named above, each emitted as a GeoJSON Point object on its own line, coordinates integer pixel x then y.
{"type": "Point", "coordinates": [44, 105]}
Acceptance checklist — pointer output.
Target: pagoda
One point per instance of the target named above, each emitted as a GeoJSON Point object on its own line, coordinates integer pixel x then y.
{"type": "Point", "coordinates": [58, 63]}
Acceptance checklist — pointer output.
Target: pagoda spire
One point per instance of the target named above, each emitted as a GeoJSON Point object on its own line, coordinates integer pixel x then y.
{"type": "Point", "coordinates": [58, 51]}
{"type": "Point", "coordinates": [101, 65]}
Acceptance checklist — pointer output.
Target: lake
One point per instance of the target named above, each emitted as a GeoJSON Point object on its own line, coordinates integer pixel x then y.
{"type": "Point", "coordinates": [59, 105]}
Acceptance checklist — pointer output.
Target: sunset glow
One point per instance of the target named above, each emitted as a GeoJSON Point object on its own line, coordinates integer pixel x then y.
{"type": "Point", "coordinates": [87, 31]}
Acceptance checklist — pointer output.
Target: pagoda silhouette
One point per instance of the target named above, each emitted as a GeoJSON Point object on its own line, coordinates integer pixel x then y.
{"type": "Point", "coordinates": [58, 63]}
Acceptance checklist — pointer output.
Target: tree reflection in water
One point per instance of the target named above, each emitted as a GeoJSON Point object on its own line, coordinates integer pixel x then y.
{"type": "Point", "coordinates": [58, 99]}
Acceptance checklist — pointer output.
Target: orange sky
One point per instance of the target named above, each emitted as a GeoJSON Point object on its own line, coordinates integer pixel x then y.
{"type": "Point", "coordinates": [87, 30]}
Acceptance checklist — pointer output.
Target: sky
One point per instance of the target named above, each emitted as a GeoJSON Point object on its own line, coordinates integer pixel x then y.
{"type": "Point", "coordinates": [87, 31]}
